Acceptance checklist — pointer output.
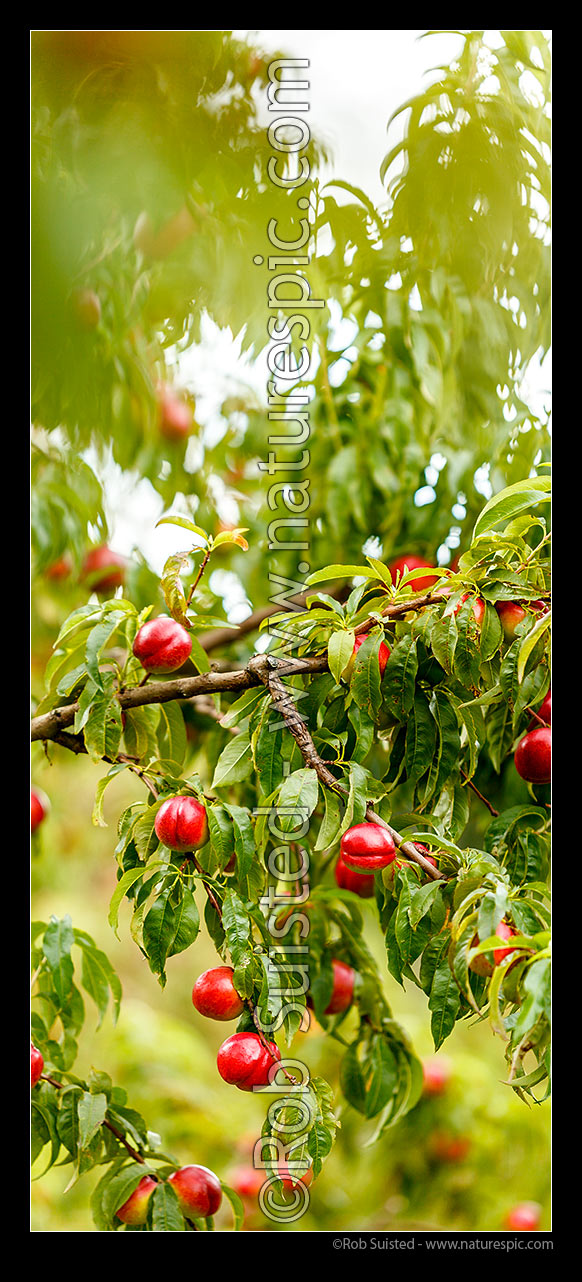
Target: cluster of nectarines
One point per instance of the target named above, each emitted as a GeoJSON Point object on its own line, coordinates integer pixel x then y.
{"type": "Point", "coordinates": [198, 1190]}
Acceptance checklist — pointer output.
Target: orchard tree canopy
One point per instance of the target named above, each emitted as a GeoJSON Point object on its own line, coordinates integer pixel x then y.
{"type": "Point", "coordinates": [378, 726]}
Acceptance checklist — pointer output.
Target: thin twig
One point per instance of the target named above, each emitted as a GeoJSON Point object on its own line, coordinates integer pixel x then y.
{"type": "Point", "coordinates": [487, 803]}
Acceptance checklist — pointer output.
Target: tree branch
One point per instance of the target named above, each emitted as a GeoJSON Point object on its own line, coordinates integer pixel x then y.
{"type": "Point", "coordinates": [51, 724]}
{"type": "Point", "coordinates": [267, 668]}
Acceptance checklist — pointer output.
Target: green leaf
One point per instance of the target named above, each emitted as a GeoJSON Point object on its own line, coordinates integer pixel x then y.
{"type": "Point", "coordinates": [91, 1110]}
{"type": "Point", "coordinates": [98, 979]}
{"type": "Point", "coordinates": [365, 682]}
{"type": "Point", "coordinates": [339, 651]}
{"type": "Point", "coordinates": [400, 675]}
{"type": "Point", "coordinates": [120, 1186]}
{"type": "Point", "coordinates": [341, 572]}
{"type": "Point", "coordinates": [530, 641]}
{"type": "Point", "coordinates": [237, 1205]}
{"type": "Point", "coordinates": [444, 1002]}
{"type": "Point", "coordinates": [235, 761]}
{"type": "Point", "coordinates": [166, 1214]}
{"type": "Point", "coordinates": [56, 946]}
{"type": "Point", "coordinates": [124, 884]}
{"type": "Point", "coordinates": [297, 799]}
{"type": "Point", "coordinates": [236, 923]}
{"type": "Point", "coordinates": [510, 502]}
{"type": "Point", "coordinates": [171, 733]}
{"type": "Point", "coordinates": [250, 870]}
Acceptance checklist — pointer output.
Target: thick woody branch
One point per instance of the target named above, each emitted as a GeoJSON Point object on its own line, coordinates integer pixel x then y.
{"type": "Point", "coordinates": [51, 724]}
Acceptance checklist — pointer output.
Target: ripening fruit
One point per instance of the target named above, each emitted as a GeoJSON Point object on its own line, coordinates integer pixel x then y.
{"type": "Point", "coordinates": [162, 645]}
{"type": "Point", "coordinates": [360, 883]}
{"type": "Point", "coordinates": [39, 808]}
{"type": "Point", "coordinates": [424, 850]}
{"type": "Point", "coordinates": [449, 1148]}
{"type": "Point", "coordinates": [436, 1072]}
{"type": "Point", "coordinates": [367, 847]}
{"type": "Point", "coordinates": [36, 1064]}
{"type": "Point", "coordinates": [524, 1218]}
{"type": "Point", "coordinates": [59, 569]}
{"type": "Point", "coordinates": [478, 607]}
{"type": "Point", "coordinates": [247, 1181]}
{"type": "Point", "coordinates": [86, 308]}
{"type": "Point", "coordinates": [544, 712]}
{"type": "Point", "coordinates": [175, 417]}
{"type": "Point", "coordinates": [402, 564]}
{"type": "Point", "coordinates": [383, 656]}
{"type": "Point", "coordinates": [480, 965]}
{"type": "Point", "coordinates": [288, 1179]}
{"type": "Point", "coordinates": [181, 823]}
{"type": "Point", "coordinates": [135, 1210]}
{"type": "Point", "coordinates": [511, 614]}
{"type": "Point", "coordinates": [214, 994]}
{"type": "Point", "coordinates": [198, 1190]}
{"type": "Point", "coordinates": [162, 243]}
{"type": "Point", "coordinates": [244, 1061]}
{"type": "Point", "coordinates": [343, 988]}
{"type": "Point", "coordinates": [533, 755]}
{"type": "Point", "coordinates": [103, 570]}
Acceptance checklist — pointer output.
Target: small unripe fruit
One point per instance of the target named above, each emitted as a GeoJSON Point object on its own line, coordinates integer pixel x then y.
{"type": "Point", "coordinates": [175, 417]}
{"type": "Point", "coordinates": [360, 883]}
{"type": "Point", "coordinates": [383, 656]}
{"type": "Point", "coordinates": [478, 607]}
{"type": "Point", "coordinates": [524, 1218]}
{"type": "Point", "coordinates": [533, 756]}
{"type": "Point", "coordinates": [181, 824]}
{"type": "Point", "coordinates": [36, 1064]}
{"type": "Point", "coordinates": [402, 564]}
{"type": "Point", "coordinates": [198, 1190]}
{"type": "Point", "coordinates": [343, 988]}
{"type": "Point", "coordinates": [39, 808]}
{"type": "Point", "coordinates": [480, 965]}
{"type": "Point", "coordinates": [103, 570]}
{"type": "Point", "coordinates": [544, 712]}
{"type": "Point", "coordinates": [367, 847]}
{"type": "Point", "coordinates": [135, 1210]}
{"type": "Point", "coordinates": [214, 994]}
{"type": "Point", "coordinates": [244, 1061]}
{"type": "Point", "coordinates": [436, 1072]}
{"type": "Point", "coordinates": [87, 308]}
{"type": "Point", "coordinates": [511, 614]}
{"type": "Point", "coordinates": [162, 645]}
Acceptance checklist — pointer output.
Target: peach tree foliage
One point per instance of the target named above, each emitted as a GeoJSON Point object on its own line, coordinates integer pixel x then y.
{"type": "Point", "coordinates": [429, 746]}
